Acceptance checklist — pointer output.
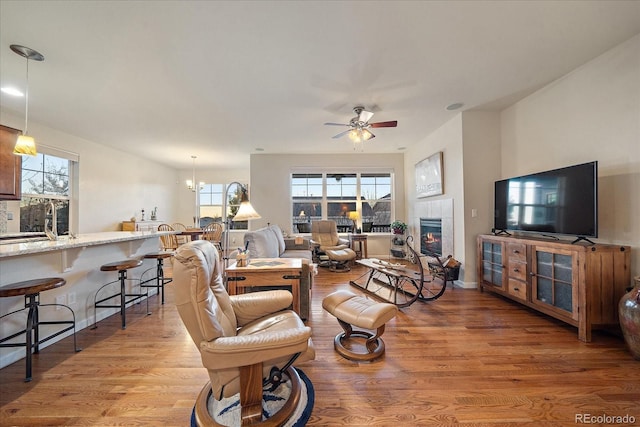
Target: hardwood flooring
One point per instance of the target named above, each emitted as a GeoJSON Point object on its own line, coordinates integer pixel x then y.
{"type": "Point", "coordinates": [468, 359]}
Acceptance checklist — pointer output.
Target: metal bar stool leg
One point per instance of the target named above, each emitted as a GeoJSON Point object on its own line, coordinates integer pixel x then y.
{"type": "Point", "coordinates": [123, 298]}
{"type": "Point", "coordinates": [160, 278]}
{"type": "Point", "coordinates": [31, 333]}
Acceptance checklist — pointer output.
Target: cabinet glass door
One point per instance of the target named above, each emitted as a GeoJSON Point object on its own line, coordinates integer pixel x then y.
{"type": "Point", "coordinates": [553, 281]}
{"type": "Point", "coordinates": [492, 263]}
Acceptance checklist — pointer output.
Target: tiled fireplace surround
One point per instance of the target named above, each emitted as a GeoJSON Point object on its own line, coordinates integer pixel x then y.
{"type": "Point", "coordinates": [435, 209]}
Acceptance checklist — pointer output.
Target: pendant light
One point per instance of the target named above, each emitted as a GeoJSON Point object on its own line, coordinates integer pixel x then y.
{"type": "Point", "coordinates": [191, 183]}
{"type": "Point", "coordinates": [26, 145]}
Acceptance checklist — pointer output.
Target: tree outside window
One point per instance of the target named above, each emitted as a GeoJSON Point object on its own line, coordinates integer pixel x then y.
{"type": "Point", "coordinates": [211, 198]}
{"type": "Point", "coordinates": [45, 179]}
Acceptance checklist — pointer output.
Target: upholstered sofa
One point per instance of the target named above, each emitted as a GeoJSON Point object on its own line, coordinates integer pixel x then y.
{"type": "Point", "coordinates": [269, 242]}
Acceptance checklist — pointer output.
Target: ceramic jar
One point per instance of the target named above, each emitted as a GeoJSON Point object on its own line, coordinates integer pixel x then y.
{"type": "Point", "coordinates": [629, 314]}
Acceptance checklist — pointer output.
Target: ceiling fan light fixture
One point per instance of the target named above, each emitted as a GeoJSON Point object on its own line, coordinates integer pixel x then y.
{"type": "Point", "coordinates": [360, 135]}
{"type": "Point", "coordinates": [359, 127]}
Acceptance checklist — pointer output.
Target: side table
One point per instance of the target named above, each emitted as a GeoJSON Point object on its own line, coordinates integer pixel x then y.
{"type": "Point", "coordinates": [361, 249]}
{"type": "Point", "coordinates": [266, 272]}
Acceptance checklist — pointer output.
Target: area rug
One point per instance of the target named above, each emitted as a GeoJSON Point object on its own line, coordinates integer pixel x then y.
{"type": "Point", "coordinates": [227, 411]}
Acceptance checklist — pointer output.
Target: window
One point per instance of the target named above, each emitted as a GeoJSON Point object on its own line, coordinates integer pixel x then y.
{"type": "Point", "coordinates": [306, 192]}
{"type": "Point", "coordinates": [376, 201]}
{"type": "Point", "coordinates": [210, 201]}
{"type": "Point", "coordinates": [362, 198]}
{"type": "Point", "coordinates": [47, 180]}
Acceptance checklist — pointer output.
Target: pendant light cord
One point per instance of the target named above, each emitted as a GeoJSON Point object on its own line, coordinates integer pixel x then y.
{"type": "Point", "coordinates": [26, 103]}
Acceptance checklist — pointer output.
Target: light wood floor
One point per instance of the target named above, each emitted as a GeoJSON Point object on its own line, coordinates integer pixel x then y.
{"type": "Point", "coordinates": [466, 359]}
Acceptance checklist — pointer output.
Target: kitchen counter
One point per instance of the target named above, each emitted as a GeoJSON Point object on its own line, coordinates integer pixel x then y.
{"type": "Point", "coordinates": [77, 261]}
{"type": "Point", "coordinates": [82, 240]}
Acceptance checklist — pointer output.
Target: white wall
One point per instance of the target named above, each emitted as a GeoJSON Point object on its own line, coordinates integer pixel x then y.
{"type": "Point", "coordinates": [113, 185]}
{"type": "Point", "coordinates": [448, 139]}
{"type": "Point", "coordinates": [593, 113]}
{"type": "Point", "coordinates": [481, 168]}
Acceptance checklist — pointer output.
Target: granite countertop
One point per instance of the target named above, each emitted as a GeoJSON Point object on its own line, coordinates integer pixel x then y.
{"type": "Point", "coordinates": [82, 240]}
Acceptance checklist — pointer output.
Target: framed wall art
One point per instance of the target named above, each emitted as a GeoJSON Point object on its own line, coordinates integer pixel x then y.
{"type": "Point", "coordinates": [429, 181]}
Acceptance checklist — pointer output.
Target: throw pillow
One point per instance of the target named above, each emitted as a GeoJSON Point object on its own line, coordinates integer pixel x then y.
{"type": "Point", "coordinates": [279, 237]}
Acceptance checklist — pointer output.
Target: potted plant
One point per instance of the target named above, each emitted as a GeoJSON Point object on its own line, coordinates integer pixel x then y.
{"type": "Point", "coordinates": [398, 227]}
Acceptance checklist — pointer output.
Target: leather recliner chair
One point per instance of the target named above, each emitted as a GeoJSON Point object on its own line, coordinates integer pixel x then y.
{"type": "Point", "coordinates": [326, 241]}
{"type": "Point", "coordinates": [242, 338]}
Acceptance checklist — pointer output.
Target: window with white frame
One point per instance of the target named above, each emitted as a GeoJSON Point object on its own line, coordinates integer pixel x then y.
{"type": "Point", "coordinates": [353, 199]}
{"type": "Point", "coordinates": [47, 178]}
{"type": "Point", "coordinates": [211, 203]}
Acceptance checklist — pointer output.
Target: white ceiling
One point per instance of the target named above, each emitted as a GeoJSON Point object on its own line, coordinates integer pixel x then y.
{"type": "Point", "coordinates": [216, 79]}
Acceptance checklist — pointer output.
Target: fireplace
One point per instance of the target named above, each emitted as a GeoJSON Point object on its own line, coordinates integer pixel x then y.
{"type": "Point", "coordinates": [431, 236]}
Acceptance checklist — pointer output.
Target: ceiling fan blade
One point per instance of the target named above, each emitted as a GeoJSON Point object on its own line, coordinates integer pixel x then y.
{"type": "Point", "coordinates": [365, 116]}
{"type": "Point", "coordinates": [336, 124]}
{"type": "Point", "coordinates": [341, 134]}
{"type": "Point", "coordinates": [390, 124]}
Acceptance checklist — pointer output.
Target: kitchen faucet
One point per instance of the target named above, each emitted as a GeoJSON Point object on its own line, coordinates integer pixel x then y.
{"type": "Point", "coordinates": [51, 222]}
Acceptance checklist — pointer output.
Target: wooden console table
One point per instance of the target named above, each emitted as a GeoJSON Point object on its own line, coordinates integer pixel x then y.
{"type": "Point", "coordinates": [266, 272]}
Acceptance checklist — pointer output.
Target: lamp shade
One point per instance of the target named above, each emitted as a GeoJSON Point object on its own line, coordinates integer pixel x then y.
{"type": "Point", "coordinates": [25, 146]}
{"type": "Point", "coordinates": [245, 211]}
{"type": "Point", "coordinates": [360, 135]}
{"type": "Point", "coordinates": [354, 215]}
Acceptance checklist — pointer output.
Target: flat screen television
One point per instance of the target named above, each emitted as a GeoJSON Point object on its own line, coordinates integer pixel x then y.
{"type": "Point", "coordinates": [559, 201]}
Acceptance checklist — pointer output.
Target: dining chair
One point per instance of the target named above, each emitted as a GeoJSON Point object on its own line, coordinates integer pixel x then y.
{"type": "Point", "coordinates": [213, 233]}
{"type": "Point", "coordinates": [181, 238]}
{"type": "Point", "coordinates": [169, 241]}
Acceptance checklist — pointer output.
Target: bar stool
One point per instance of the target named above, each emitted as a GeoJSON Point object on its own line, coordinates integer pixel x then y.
{"type": "Point", "coordinates": [31, 290]}
{"type": "Point", "coordinates": [121, 267]}
{"type": "Point", "coordinates": [160, 280]}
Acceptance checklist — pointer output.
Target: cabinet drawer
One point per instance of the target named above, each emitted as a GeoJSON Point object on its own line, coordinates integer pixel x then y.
{"type": "Point", "coordinates": [517, 270]}
{"type": "Point", "coordinates": [518, 289]}
{"type": "Point", "coordinates": [517, 251]}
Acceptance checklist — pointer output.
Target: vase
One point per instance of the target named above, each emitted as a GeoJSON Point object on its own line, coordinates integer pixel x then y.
{"type": "Point", "coordinates": [629, 314]}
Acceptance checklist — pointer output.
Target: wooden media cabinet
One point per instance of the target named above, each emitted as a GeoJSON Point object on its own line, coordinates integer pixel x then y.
{"type": "Point", "coordinates": [576, 283]}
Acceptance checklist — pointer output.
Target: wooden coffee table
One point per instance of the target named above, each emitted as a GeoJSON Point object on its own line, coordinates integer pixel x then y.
{"type": "Point", "coordinates": [266, 272]}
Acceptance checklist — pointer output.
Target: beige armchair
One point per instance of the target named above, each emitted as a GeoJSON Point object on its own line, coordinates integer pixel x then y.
{"type": "Point", "coordinates": [242, 339]}
{"type": "Point", "coordinates": [324, 235]}
{"type": "Point", "coordinates": [329, 249]}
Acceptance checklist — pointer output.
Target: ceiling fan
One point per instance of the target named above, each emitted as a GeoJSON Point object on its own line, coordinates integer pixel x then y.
{"type": "Point", "coordinates": [359, 126]}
